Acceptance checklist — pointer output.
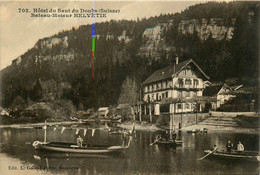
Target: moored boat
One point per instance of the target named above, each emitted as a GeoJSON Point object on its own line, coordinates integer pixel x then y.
{"type": "Point", "coordinates": [193, 131]}
{"type": "Point", "coordinates": [169, 139]}
{"type": "Point", "coordinates": [165, 142]}
{"type": "Point", "coordinates": [79, 147]}
{"type": "Point", "coordinates": [235, 155]}
{"type": "Point", "coordinates": [73, 148]}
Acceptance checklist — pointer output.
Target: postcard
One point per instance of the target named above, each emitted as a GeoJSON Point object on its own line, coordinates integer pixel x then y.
{"type": "Point", "coordinates": [129, 87]}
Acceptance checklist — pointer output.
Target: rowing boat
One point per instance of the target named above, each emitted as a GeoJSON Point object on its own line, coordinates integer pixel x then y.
{"type": "Point", "coordinates": [73, 148]}
{"type": "Point", "coordinates": [65, 147]}
{"type": "Point", "coordinates": [235, 155]}
{"type": "Point", "coordinates": [165, 142]}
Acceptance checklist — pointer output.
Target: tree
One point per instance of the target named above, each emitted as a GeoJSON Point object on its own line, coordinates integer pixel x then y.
{"type": "Point", "coordinates": [19, 103]}
{"type": "Point", "coordinates": [129, 92]}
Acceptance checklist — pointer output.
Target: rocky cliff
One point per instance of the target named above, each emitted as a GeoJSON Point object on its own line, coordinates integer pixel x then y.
{"type": "Point", "coordinates": [154, 37]}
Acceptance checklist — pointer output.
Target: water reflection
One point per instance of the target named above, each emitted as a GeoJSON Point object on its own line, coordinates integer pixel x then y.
{"type": "Point", "coordinates": [140, 158]}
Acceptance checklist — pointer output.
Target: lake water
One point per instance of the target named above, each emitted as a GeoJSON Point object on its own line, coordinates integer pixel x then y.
{"type": "Point", "coordinates": [18, 156]}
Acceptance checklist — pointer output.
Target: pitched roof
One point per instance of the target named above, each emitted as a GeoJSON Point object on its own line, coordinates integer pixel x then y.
{"type": "Point", "coordinates": [168, 72]}
{"type": "Point", "coordinates": [236, 87]}
{"type": "Point", "coordinates": [102, 109]}
{"type": "Point", "coordinates": [214, 90]}
{"type": "Point", "coordinates": [123, 106]}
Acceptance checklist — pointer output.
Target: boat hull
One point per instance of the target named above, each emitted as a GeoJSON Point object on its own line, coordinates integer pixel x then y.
{"type": "Point", "coordinates": [172, 143]}
{"type": "Point", "coordinates": [72, 148]}
{"type": "Point", "coordinates": [243, 156]}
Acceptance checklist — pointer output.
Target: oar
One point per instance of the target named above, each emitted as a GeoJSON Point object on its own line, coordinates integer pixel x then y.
{"type": "Point", "coordinates": [208, 154]}
{"type": "Point", "coordinates": [155, 141]}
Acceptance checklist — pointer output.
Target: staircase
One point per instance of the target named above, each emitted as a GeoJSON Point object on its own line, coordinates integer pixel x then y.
{"type": "Point", "coordinates": [220, 121]}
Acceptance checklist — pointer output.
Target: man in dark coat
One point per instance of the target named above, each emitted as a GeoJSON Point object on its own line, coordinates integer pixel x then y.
{"type": "Point", "coordinates": [229, 146]}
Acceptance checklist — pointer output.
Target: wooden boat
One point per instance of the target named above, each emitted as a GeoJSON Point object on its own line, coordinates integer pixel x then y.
{"type": "Point", "coordinates": [169, 139]}
{"type": "Point", "coordinates": [115, 132]}
{"type": "Point", "coordinates": [205, 130]}
{"type": "Point", "coordinates": [193, 131]}
{"type": "Point", "coordinates": [37, 127]}
{"type": "Point", "coordinates": [73, 148]}
{"type": "Point", "coordinates": [235, 155]}
{"type": "Point", "coordinates": [165, 142]}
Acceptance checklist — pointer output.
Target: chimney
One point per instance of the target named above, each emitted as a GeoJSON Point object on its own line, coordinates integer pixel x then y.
{"type": "Point", "coordinates": [177, 60]}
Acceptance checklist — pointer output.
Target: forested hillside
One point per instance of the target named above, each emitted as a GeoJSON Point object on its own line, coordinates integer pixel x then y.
{"type": "Point", "coordinates": [57, 69]}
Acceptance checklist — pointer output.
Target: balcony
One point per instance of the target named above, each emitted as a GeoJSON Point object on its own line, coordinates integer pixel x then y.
{"type": "Point", "coordinates": [158, 90]}
{"type": "Point", "coordinates": [188, 87]}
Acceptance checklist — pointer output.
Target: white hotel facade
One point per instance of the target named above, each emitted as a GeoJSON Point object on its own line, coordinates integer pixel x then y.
{"type": "Point", "coordinates": [175, 85]}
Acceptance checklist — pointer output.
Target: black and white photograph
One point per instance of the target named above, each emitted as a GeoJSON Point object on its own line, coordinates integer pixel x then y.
{"type": "Point", "coordinates": [123, 87]}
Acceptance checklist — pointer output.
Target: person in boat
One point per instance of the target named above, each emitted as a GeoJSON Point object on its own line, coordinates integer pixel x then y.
{"type": "Point", "coordinates": [240, 147]}
{"type": "Point", "coordinates": [79, 141]}
{"type": "Point", "coordinates": [229, 146]}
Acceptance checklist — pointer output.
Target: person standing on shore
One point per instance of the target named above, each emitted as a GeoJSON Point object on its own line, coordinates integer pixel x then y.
{"type": "Point", "coordinates": [229, 146]}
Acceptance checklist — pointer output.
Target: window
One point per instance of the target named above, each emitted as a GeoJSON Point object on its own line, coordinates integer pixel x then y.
{"type": "Point", "coordinates": [159, 85]}
{"type": "Point", "coordinates": [192, 94]}
{"type": "Point", "coordinates": [164, 85]}
{"type": "Point", "coordinates": [146, 89]}
{"type": "Point", "coordinates": [157, 96]}
{"type": "Point", "coordinates": [148, 98]}
{"type": "Point", "coordinates": [179, 106]}
{"type": "Point", "coordinates": [179, 93]}
{"type": "Point", "coordinates": [166, 94]}
{"type": "Point", "coordinates": [180, 82]}
{"type": "Point", "coordinates": [187, 94]}
{"type": "Point", "coordinates": [154, 87]}
{"type": "Point", "coordinates": [163, 95]}
{"type": "Point", "coordinates": [170, 84]}
{"type": "Point", "coordinates": [196, 83]}
{"type": "Point", "coordinates": [188, 81]}
{"type": "Point", "coordinates": [187, 106]}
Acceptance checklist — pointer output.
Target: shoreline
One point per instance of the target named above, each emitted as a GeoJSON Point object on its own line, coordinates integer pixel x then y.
{"type": "Point", "coordinates": [147, 127]}
{"type": "Point", "coordinates": [197, 126]}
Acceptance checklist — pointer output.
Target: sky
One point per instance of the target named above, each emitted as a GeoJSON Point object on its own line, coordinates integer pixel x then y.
{"type": "Point", "coordinates": [19, 31]}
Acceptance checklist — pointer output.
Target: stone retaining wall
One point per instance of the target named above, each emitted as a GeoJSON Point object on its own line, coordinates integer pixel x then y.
{"type": "Point", "coordinates": [184, 119]}
{"type": "Point", "coordinates": [232, 114]}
